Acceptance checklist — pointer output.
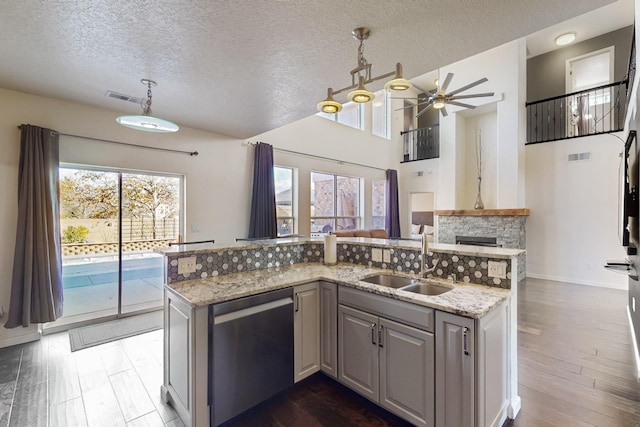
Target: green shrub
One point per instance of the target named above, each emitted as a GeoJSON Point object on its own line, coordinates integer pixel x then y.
{"type": "Point", "coordinates": [73, 234]}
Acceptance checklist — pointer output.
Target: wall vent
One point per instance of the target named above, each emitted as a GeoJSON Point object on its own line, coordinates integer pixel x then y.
{"type": "Point", "coordinates": [579, 157]}
{"type": "Point", "coordinates": [123, 97]}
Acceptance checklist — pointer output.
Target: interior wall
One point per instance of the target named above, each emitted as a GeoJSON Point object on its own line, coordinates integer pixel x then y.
{"type": "Point", "coordinates": [422, 202]}
{"type": "Point", "coordinates": [218, 180]}
{"type": "Point", "coordinates": [572, 229]}
{"type": "Point", "coordinates": [546, 72]}
{"type": "Point", "coordinates": [482, 126]}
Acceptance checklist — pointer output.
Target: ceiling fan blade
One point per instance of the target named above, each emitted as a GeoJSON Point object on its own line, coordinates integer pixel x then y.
{"type": "Point", "coordinates": [445, 83]}
{"type": "Point", "coordinates": [443, 110]}
{"type": "Point", "coordinates": [469, 86]}
{"type": "Point", "coordinates": [428, 107]}
{"type": "Point", "coordinates": [477, 95]}
{"type": "Point", "coordinates": [413, 98]}
{"type": "Point", "coordinates": [460, 104]}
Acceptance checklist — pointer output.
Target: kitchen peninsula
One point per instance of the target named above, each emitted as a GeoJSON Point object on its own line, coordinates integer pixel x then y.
{"type": "Point", "coordinates": [446, 359]}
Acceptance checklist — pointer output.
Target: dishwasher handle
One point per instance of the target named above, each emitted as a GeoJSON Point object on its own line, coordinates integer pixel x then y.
{"type": "Point", "coordinates": [250, 311]}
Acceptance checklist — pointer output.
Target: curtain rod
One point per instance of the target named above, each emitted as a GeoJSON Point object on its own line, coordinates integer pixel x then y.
{"type": "Point", "coordinates": [342, 162]}
{"type": "Point", "coordinates": [191, 153]}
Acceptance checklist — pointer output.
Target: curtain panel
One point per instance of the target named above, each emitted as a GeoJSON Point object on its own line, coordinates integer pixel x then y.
{"type": "Point", "coordinates": [36, 284]}
{"type": "Point", "coordinates": [263, 222]}
{"type": "Point", "coordinates": [392, 218]}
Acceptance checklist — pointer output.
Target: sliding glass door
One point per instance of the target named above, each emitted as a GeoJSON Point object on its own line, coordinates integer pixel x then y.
{"type": "Point", "coordinates": [111, 222]}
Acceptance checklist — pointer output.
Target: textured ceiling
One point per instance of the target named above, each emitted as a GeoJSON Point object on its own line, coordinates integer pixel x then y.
{"type": "Point", "coordinates": [242, 67]}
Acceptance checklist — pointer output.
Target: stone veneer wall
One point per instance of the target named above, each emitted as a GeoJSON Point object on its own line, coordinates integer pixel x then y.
{"type": "Point", "coordinates": [220, 262]}
{"type": "Point", "coordinates": [509, 231]}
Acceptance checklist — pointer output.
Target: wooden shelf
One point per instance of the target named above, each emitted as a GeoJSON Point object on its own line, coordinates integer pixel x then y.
{"type": "Point", "coordinates": [484, 212]}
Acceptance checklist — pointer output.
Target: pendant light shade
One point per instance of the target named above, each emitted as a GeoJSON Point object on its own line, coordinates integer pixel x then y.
{"type": "Point", "coordinates": [146, 122]}
{"type": "Point", "coordinates": [329, 105]}
{"type": "Point", "coordinates": [360, 94]}
{"type": "Point", "coordinates": [398, 83]}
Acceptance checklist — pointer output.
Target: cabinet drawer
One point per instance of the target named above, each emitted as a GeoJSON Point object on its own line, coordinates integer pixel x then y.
{"type": "Point", "coordinates": [405, 312]}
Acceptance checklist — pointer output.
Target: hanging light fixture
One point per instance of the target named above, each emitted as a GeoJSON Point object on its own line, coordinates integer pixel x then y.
{"type": "Point", "coordinates": [146, 122]}
{"type": "Point", "coordinates": [361, 76]}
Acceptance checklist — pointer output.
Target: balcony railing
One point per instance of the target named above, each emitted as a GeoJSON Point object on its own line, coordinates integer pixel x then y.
{"type": "Point", "coordinates": [421, 144]}
{"type": "Point", "coordinates": [588, 112]}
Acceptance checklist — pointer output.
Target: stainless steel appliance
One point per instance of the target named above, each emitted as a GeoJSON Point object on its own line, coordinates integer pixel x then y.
{"type": "Point", "coordinates": [252, 349]}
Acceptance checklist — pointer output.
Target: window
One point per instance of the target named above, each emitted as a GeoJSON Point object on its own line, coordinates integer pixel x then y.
{"type": "Point", "coordinates": [378, 203]}
{"type": "Point", "coordinates": [351, 115]}
{"type": "Point", "coordinates": [283, 181]}
{"type": "Point", "coordinates": [380, 115]}
{"type": "Point", "coordinates": [335, 203]}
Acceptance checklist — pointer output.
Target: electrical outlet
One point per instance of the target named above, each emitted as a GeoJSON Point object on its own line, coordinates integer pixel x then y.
{"type": "Point", "coordinates": [187, 265]}
{"type": "Point", "coordinates": [376, 255]}
{"type": "Point", "coordinates": [386, 256]}
{"type": "Point", "coordinates": [497, 269]}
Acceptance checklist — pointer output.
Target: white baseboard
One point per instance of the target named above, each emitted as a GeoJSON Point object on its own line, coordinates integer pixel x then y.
{"type": "Point", "coordinates": [609, 285]}
{"type": "Point", "coordinates": [634, 342]}
{"type": "Point", "coordinates": [20, 339]}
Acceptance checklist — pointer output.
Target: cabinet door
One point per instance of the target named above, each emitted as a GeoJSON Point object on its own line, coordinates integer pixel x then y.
{"type": "Point", "coordinates": [406, 372]}
{"type": "Point", "coordinates": [329, 328]}
{"type": "Point", "coordinates": [358, 351]}
{"type": "Point", "coordinates": [455, 370]}
{"type": "Point", "coordinates": [306, 330]}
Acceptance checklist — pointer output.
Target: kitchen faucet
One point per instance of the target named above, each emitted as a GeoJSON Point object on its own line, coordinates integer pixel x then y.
{"type": "Point", "coordinates": [424, 252]}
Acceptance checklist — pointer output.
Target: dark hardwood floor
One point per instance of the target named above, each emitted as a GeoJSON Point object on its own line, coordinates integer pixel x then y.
{"type": "Point", "coordinates": [575, 359]}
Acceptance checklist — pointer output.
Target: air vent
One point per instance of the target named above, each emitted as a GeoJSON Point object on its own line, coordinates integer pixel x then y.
{"type": "Point", "coordinates": [579, 157]}
{"type": "Point", "coordinates": [123, 97]}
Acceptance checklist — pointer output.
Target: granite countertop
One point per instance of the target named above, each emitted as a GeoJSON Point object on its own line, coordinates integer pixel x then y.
{"type": "Point", "coordinates": [464, 299]}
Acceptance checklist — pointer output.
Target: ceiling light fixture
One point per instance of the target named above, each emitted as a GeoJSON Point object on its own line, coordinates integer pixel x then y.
{"type": "Point", "coordinates": [361, 76]}
{"type": "Point", "coordinates": [565, 39]}
{"type": "Point", "coordinates": [146, 122]}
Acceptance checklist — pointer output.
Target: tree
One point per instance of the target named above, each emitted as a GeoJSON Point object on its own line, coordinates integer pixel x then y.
{"type": "Point", "coordinates": [149, 196]}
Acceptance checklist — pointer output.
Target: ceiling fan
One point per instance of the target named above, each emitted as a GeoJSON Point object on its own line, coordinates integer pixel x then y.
{"type": "Point", "coordinates": [439, 98]}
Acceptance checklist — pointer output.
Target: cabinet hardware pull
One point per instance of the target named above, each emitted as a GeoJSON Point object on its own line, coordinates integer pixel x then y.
{"type": "Point", "coordinates": [297, 303]}
{"type": "Point", "coordinates": [465, 331]}
{"type": "Point", "coordinates": [380, 343]}
{"type": "Point", "coordinates": [373, 333]}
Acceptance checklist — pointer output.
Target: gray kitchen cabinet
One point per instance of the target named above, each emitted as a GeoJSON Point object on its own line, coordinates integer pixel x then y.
{"type": "Point", "coordinates": [186, 359]}
{"type": "Point", "coordinates": [306, 330]}
{"type": "Point", "coordinates": [358, 351]}
{"type": "Point", "coordinates": [472, 379]}
{"type": "Point", "coordinates": [387, 361]}
{"type": "Point", "coordinates": [455, 371]}
{"type": "Point", "coordinates": [329, 328]}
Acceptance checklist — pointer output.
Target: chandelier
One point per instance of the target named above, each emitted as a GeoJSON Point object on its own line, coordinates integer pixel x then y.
{"type": "Point", "coordinates": [361, 76]}
{"type": "Point", "coordinates": [146, 122]}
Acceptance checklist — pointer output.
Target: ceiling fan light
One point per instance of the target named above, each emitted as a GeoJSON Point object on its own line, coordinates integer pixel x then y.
{"type": "Point", "coordinates": [329, 105]}
{"type": "Point", "coordinates": [565, 39]}
{"type": "Point", "coordinates": [439, 102]}
{"type": "Point", "coordinates": [360, 94]}
{"type": "Point", "coordinates": [147, 124]}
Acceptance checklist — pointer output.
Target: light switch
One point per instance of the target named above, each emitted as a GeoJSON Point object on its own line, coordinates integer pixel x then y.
{"type": "Point", "coordinates": [386, 255]}
{"type": "Point", "coordinates": [497, 269]}
{"type": "Point", "coordinates": [187, 265]}
{"type": "Point", "coordinates": [376, 255]}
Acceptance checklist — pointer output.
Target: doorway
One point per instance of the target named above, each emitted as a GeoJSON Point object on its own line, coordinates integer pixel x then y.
{"type": "Point", "coordinates": [111, 222]}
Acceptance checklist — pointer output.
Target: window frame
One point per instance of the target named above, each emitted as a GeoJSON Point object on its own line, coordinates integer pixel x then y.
{"type": "Point", "coordinates": [292, 218]}
{"type": "Point", "coordinates": [386, 119]}
{"type": "Point", "coordinates": [335, 117]}
{"type": "Point", "coordinates": [373, 217]}
{"type": "Point", "coordinates": [358, 217]}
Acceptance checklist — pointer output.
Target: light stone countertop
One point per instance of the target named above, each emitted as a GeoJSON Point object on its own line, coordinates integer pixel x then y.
{"type": "Point", "coordinates": [464, 299]}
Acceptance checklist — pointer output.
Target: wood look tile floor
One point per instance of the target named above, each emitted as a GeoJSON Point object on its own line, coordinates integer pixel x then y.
{"type": "Point", "coordinates": [575, 359]}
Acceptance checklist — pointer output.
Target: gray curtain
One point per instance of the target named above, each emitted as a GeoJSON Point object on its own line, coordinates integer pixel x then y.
{"type": "Point", "coordinates": [392, 218]}
{"type": "Point", "coordinates": [263, 221]}
{"type": "Point", "coordinates": [36, 285]}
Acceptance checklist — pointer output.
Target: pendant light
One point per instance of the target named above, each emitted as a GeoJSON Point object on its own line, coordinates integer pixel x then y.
{"type": "Point", "coordinates": [146, 122]}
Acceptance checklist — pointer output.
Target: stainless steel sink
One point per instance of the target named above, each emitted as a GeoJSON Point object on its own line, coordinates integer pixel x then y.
{"type": "Point", "coordinates": [426, 289]}
{"type": "Point", "coordinates": [390, 281]}
{"type": "Point", "coordinates": [406, 284]}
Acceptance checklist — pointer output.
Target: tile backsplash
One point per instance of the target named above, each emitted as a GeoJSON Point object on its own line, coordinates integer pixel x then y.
{"type": "Point", "coordinates": [227, 261]}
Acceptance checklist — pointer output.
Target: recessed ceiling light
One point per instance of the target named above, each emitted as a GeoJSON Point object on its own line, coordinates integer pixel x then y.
{"type": "Point", "coordinates": [565, 39]}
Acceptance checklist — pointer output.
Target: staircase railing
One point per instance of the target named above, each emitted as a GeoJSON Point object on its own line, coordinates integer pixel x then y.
{"type": "Point", "coordinates": [422, 143]}
{"type": "Point", "coordinates": [587, 112]}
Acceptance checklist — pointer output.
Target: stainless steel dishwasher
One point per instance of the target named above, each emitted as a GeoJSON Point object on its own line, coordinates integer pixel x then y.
{"type": "Point", "coordinates": [252, 349]}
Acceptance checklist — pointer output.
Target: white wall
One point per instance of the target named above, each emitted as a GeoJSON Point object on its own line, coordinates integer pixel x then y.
{"type": "Point", "coordinates": [572, 229]}
{"type": "Point", "coordinates": [486, 125]}
{"type": "Point", "coordinates": [218, 180]}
